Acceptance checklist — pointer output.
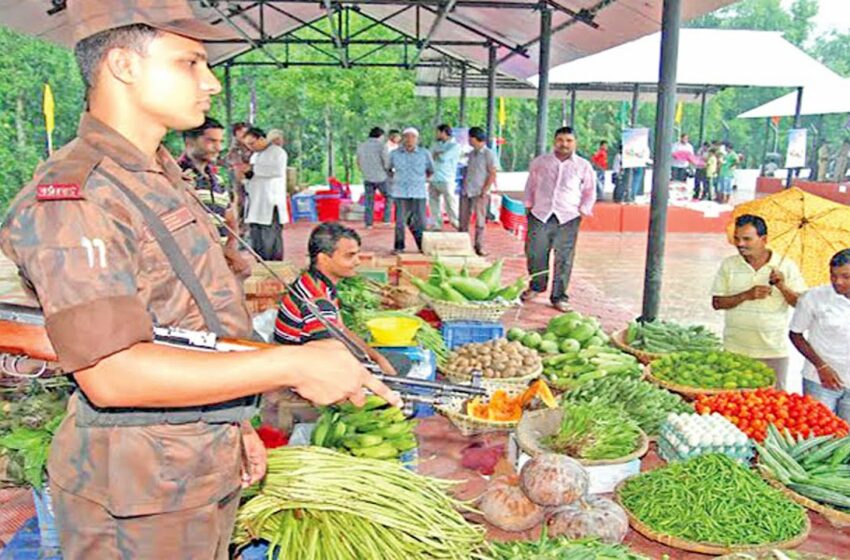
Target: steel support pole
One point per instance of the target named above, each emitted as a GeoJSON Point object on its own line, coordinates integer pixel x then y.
{"type": "Point", "coordinates": [797, 108]}
{"type": "Point", "coordinates": [702, 119]}
{"type": "Point", "coordinates": [629, 175]}
{"type": "Point", "coordinates": [573, 108]}
{"type": "Point", "coordinates": [228, 103]}
{"type": "Point", "coordinates": [462, 102]}
{"type": "Point", "coordinates": [564, 111]}
{"type": "Point", "coordinates": [635, 106]}
{"type": "Point", "coordinates": [543, 85]}
{"type": "Point", "coordinates": [764, 150]}
{"type": "Point", "coordinates": [438, 117]}
{"type": "Point", "coordinates": [491, 96]}
{"type": "Point", "coordinates": [666, 106]}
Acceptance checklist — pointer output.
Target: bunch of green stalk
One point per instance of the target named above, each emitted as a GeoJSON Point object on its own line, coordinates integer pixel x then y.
{"type": "Point", "coordinates": [595, 431]}
{"type": "Point", "coordinates": [320, 504]}
{"type": "Point", "coordinates": [562, 548]}
{"type": "Point", "coordinates": [816, 467]}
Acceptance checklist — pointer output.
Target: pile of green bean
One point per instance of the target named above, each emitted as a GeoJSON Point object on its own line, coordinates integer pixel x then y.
{"type": "Point", "coordinates": [562, 548]}
{"type": "Point", "coordinates": [316, 503]}
{"type": "Point", "coordinates": [712, 499]}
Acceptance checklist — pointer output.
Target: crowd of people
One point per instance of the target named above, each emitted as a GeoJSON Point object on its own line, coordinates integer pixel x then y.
{"type": "Point", "coordinates": [246, 188]}
{"type": "Point", "coordinates": [418, 184]}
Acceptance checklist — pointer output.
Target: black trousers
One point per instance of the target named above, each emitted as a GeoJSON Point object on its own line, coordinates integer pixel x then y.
{"type": "Point", "coordinates": [409, 212]}
{"type": "Point", "coordinates": [267, 240]}
{"type": "Point", "coordinates": [544, 237]}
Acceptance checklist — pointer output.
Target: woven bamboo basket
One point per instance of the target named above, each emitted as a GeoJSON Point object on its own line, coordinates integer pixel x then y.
{"type": "Point", "coordinates": [455, 411]}
{"type": "Point", "coordinates": [618, 339]}
{"type": "Point", "coordinates": [836, 518]}
{"type": "Point", "coordinates": [495, 382]}
{"type": "Point", "coordinates": [486, 311]}
{"type": "Point", "coordinates": [538, 424]}
{"type": "Point", "coordinates": [690, 392]}
{"type": "Point", "coordinates": [770, 555]}
{"type": "Point", "coordinates": [705, 548]}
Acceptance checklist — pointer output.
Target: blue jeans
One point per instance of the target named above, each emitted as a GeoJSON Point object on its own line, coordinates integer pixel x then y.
{"type": "Point", "coordinates": [637, 183]}
{"type": "Point", "coordinates": [370, 201]}
{"type": "Point", "coordinates": [724, 185]}
{"type": "Point", "coordinates": [837, 401]}
{"type": "Point", "coordinates": [600, 183]}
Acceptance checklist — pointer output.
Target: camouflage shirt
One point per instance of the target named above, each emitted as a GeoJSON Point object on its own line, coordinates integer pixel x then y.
{"type": "Point", "coordinates": [102, 280]}
{"type": "Point", "coordinates": [209, 187]}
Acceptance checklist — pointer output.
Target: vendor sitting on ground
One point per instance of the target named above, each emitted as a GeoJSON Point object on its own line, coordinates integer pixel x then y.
{"type": "Point", "coordinates": [757, 288]}
{"type": "Point", "coordinates": [820, 330]}
{"type": "Point", "coordinates": [334, 254]}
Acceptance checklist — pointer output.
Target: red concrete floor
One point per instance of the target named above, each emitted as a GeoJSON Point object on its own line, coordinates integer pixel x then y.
{"type": "Point", "coordinates": [607, 279]}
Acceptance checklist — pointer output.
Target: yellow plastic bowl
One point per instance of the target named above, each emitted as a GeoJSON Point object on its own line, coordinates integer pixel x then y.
{"type": "Point", "coordinates": [393, 331]}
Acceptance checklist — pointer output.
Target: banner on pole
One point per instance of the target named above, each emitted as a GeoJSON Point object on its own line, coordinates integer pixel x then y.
{"type": "Point", "coordinates": [795, 157]}
{"type": "Point", "coordinates": [635, 147]}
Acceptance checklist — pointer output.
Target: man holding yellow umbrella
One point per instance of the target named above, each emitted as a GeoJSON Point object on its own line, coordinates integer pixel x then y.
{"type": "Point", "coordinates": [804, 229]}
{"type": "Point", "coordinates": [756, 288]}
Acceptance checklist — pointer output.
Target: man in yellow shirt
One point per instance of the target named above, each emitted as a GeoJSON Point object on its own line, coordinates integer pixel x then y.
{"type": "Point", "coordinates": [757, 288]}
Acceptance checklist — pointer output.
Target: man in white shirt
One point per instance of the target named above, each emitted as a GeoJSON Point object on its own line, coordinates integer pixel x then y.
{"type": "Point", "coordinates": [820, 330]}
{"type": "Point", "coordinates": [266, 195]}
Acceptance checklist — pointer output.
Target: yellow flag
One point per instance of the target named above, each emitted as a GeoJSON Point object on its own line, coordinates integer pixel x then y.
{"type": "Point", "coordinates": [49, 109]}
{"type": "Point", "coordinates": [680, 108]}
{"type": "Point", "coordinates": [503, 115]}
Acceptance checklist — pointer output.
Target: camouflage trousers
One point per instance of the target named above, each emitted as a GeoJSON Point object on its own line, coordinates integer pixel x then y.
{"type": "Point", "coordinates": [88, 531]}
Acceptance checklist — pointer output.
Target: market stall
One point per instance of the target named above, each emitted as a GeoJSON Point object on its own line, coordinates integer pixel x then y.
{"type": "Point", "coordinates": [574, 443]}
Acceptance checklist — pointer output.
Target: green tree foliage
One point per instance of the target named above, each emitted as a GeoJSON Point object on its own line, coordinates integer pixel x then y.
{"type": "Point", "coordinates": [326, 111]}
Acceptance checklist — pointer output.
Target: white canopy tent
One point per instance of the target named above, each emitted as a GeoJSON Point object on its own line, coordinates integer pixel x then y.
{"type": "Point", "coordinates": [707, 57]}
{"type": "Point", "coordinates": [822, 98]}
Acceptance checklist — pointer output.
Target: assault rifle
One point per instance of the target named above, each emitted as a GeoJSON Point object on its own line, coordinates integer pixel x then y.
{"type": "Point", "coordinates": [23, 337]}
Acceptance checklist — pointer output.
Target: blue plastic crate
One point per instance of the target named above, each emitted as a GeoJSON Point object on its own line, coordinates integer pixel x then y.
{"type": "Point", "coordinates": [257, 550]}
{"type": "Point", "coordinates": [304, 207]}
{"type": "Point", "coordinates": [513, 206]}
{"type": "Point", "coordinates": [26, 545]}
{"type": "Point", "coordinates": [458, 333]}
{"type": "Point", "coordinates": [424, 367]}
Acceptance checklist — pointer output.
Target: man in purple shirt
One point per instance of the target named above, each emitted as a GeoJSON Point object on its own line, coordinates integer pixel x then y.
{"type": "Point", "coordinates": [561, 188]}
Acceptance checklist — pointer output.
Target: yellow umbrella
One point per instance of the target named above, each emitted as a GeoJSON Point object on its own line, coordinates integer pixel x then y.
{"type": "Point", "coordinates": [803, 227]}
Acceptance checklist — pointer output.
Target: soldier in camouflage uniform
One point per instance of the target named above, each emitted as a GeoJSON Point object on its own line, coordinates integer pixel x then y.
{"type": "Point", "coordinates": [149, 462]}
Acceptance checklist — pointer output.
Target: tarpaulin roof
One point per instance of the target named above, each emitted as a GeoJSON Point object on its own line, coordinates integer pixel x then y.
{"type": "Point", "coordinates": [823, 98]}
{"type": "Point", "coordinates": [707, 57]}
{"type": "Point", "coordinates": [511, 24]}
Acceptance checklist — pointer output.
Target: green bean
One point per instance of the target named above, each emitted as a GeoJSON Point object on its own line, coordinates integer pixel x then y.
{"type": "Point", "coordinates": [317, 503]}
{"type": "Point", "coordinates": [712, 499]}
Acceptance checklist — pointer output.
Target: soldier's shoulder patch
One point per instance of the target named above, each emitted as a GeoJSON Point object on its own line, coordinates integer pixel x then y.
{"type": "Point", "coordinates": [58, 191]}
{"type": "Point", "coordinates": [64, 176]}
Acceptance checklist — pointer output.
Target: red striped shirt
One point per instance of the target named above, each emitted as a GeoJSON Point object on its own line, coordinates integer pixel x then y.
{"type": "Point", "coordinates": [295, 324]}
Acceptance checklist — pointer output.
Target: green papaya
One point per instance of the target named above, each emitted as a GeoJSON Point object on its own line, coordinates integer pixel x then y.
{"type": "Point", "coordinates": [471, 288]}
{"type": "Point", "coordinates": [515, 333]}
{"type": "Point", "coordinates": [548, 347]}
{"type": "Point", "coordinates": [583, 332]}
{"type": "Point", "coordinates": [593, 341]}
{"type": "Point", "coordinates": [532, 340]}
{"type": "Point", "coordinates": [568, 345]}
{"type": "Point", "coordinates": [492, 275]}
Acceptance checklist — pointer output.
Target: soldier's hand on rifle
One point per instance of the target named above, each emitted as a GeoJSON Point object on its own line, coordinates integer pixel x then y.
{"type": "Point", "coordinates": [338, 376]}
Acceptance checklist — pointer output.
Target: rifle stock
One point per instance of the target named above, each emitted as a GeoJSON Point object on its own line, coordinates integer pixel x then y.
{"type": "Point", "coordinates": [22, 333]}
